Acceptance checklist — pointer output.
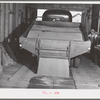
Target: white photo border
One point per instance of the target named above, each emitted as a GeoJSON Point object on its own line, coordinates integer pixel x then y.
{"type": "Point", "coordinates": [38, 93]}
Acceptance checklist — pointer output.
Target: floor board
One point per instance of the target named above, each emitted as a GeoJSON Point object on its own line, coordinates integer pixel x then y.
{"type": "Point", "coordinates": [16, 76]}
{"type": "Point", "coordinates": [87, 76]}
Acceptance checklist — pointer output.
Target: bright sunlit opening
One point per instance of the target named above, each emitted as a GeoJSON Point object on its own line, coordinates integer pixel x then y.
{"type": "Point", "coordinates": [76, 15]}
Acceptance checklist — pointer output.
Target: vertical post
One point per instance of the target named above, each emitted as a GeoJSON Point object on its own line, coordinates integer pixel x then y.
{"type": "Point", "coordinates": [6, 21]}
{"type": "Point", "coordinates": [99, 22]}
{"type": "Point", "coordinates": [14, 16]}
{"type": "Point", "coordinates": [0, 43]}
{"type": "Point", "coordinates": [0, 59]}
{"type": "Point", "coordinates": [26, 15]}
{"type": "Point", "coordinates": [95, 26]}
{"type": "Point", "coordinates": [95, 16]}
{"type": "Point", "coordinates": [2, 22]}
{"type": "Point", "coordinates": [11, 18]}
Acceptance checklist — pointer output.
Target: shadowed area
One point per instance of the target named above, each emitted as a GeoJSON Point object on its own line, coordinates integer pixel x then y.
{"type": "Point", "coordinates": [49, 82]}
{"type": "Point", "coordinates": [19, 55]}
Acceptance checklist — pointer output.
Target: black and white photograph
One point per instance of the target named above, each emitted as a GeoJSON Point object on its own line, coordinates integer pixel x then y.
{"type": "Point", "coordinates": [53, 46]}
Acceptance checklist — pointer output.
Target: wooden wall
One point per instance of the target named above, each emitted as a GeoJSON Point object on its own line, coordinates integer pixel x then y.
{"type": "Point", "coordinates": [86, 22]}
{"type": "Point", "coordinates": [13, 18]}
{"type": "Point", "coordinates": [9, 19]}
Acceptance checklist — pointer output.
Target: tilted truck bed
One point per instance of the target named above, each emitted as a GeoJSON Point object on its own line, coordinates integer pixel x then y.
{"type": "Point", "coordinates": [55, 40]}
{"type": "Point", "coordinates": [59, 31]}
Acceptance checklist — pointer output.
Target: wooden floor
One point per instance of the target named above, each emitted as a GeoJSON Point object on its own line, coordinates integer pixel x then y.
{"type": "Point", "coordinates": [16, 76]}
{"type": "Point", "coordinates": [87, 76]}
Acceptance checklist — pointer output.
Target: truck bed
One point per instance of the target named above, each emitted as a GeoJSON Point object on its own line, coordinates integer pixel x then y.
{"type": "Point", "coordinates": [55, 31]}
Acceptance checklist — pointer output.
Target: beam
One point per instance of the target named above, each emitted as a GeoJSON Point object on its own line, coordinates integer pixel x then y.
{"type": "Point", "coordinates": [95, 17]}
{"type": "Point", "coordinates": [73, 7]}
{"type": "Point", "coordinates": [0, 40]}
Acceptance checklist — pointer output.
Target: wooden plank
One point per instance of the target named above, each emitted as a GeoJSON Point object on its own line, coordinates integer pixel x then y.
{"type": "Point", "coordinates": [1, 68]}
{"type": "Point", "coordinates": [87, 76]}
{"type": "Point", "coordinates": [70, 7]}
{"type": "Point", "coordinates": [33, 34]}
{"type": "Point", "coordinates": [55, 29]}
{"type": "Point", "coordinates": [53, 54]}
{"type": "Point", "coordinates": [78, 48]}
{"type": "Point", "coordinates": [2, 22]}
{"type": "Point", "coordinates": [61, 36]}
{"type": "Point", "coordinates": [53, 45]}
{"type": "Point", "coordinates": [19, 14]}
{"type": "Point", "coordinates": [24, 7]}
{"type": "Point", "coordinates": [9, 71]}
{"type": "Point", "coordinates": [55, 35]}
{"type": "Point", "coordinates": [4, 27]}
{"type": "Point", "coordinates": [14, 17]}
{"type": "Point", "coordinates": [16, 76]}
{"type": "Point", "coordinates": [24, 74]}
{"type": "Point", "coordinates": [11, 19]}
{"type": "Point", "coordinates": [53, 67]}
{"type": "Point", "coordinates": [50, 48]}
{"type": "Point", "coordinates": [10, 84]}
{"type": "Point", "coordinates": [7, 21]}
{"type": "Point", "coordinates": [29, 44]}
{"type": "Point", "coordinates": [0, 46]}
{"type": "Point", "coordinates": [58, 24]}
{"type": "Point", "coordinates": [16, 14]}
{"type": "Point", "coordinates": [1, 35]}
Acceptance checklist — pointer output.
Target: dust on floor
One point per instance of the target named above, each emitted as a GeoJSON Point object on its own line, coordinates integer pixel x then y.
{"type": "Point", "coordinates": [87, 76]}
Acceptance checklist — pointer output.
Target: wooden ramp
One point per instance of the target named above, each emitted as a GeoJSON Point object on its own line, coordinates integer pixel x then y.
{"type": "Point", "coordinates": [48, 82]}
{"type": "Point", "coordinates": [53, 67]}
